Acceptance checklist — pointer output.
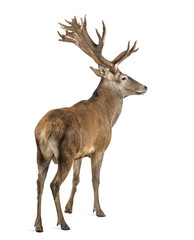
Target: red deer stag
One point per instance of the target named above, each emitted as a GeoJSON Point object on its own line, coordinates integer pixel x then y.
{"type": "Point", "coordinates": [67, 135]}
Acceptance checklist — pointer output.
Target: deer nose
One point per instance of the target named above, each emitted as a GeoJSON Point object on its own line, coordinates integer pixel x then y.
{"type": "Point", "coordinates": [145, 88]}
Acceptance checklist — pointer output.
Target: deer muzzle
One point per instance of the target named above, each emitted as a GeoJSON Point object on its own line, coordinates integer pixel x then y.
{"type": "Point", "coordinates": [142, 90]}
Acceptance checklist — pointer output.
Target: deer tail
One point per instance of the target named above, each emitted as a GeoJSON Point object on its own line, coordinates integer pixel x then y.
{"type": "Point", "coordinates": [47, 131]}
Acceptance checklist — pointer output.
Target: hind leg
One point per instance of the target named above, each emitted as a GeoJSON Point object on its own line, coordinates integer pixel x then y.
{"type": "Point", "coordinates": [76, 172]}
{"type": "Point", "coordinates": [43, 166]}
{"type": "Point", "coordinates": [64, 167]}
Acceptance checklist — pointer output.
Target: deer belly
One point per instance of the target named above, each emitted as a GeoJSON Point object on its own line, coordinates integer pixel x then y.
{"type": "Point", "coordinates": [85, 152]}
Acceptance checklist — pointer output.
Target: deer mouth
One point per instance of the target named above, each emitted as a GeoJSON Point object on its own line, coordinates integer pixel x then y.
{"type": "Point", "coordinates": [140, 93]}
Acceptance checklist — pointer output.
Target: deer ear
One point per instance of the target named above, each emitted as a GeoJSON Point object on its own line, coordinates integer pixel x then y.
{"type": "Point", "coordinates": [102, 72]}
{"type": "Point", "coordinates": [96, 71]}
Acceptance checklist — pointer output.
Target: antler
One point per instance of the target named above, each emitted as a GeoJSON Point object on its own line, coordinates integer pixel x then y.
{"type": "Point", "coordinates": [77, 34]}
{"type": "Point", "coordinates": [122, 56]}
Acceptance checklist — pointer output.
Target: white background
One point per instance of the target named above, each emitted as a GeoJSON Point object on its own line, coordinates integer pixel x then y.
{"type": "Point", "coordinates": [147, 177]}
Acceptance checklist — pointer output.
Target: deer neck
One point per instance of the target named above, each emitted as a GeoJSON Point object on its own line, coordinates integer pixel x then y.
{"type": "Point", "coordinates": [108, 99]}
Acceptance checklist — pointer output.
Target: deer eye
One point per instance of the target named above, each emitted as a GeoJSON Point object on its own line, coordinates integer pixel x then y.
{"type": "Point", "coordinates": [123, 78]}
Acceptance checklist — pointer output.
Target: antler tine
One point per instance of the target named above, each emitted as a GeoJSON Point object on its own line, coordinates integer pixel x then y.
{"type": "Point", "coordinates": [85, 34]}
{"type": "Point", "coordinates": [101, 38]}
{"type": "Point", "coordinates": [61, 35]}
{"type": "Point", "coordinates": [104, 31]}
{"type": "Point", "coordinates": [65, 27]}
{"type": "Point", "coordinates": [122, 56]}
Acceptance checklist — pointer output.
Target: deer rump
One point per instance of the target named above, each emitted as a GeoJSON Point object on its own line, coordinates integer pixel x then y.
{"type": "Point", "coordinates": [79, 131]}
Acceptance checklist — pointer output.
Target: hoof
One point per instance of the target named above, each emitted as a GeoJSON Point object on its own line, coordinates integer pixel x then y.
{"type": "Point", "coordinates": [68, 210]}
{"type": "Point", "coordinates": [65, 227]}
{"type": "Point", "coordinates": [39, 228]}
{"type": "Point", "coordinates": [99, 213]}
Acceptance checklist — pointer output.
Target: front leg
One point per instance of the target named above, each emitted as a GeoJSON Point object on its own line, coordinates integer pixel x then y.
{"type": "Point", "coordinates": [96, 162]}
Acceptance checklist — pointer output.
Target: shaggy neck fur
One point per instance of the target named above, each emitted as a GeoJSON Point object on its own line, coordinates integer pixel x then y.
{"type": "Point", "coordinates": [109, 98]}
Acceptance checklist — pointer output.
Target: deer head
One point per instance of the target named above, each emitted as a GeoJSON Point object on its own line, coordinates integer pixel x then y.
{"type": "Point", "coordinates": [108, 70]}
